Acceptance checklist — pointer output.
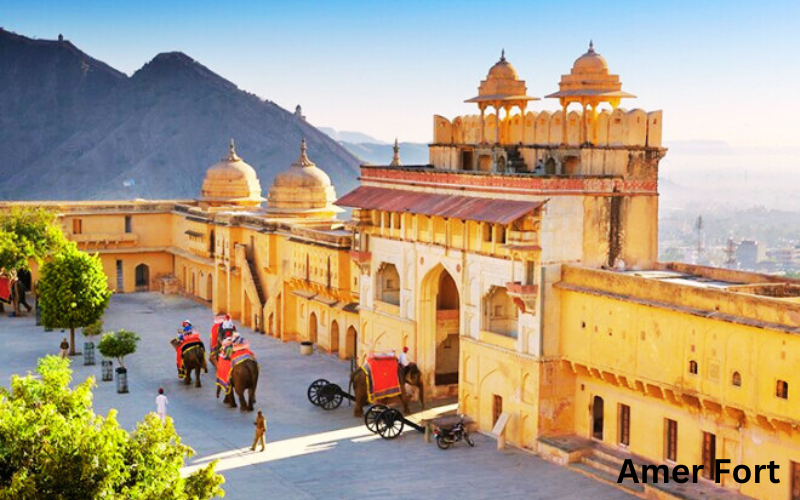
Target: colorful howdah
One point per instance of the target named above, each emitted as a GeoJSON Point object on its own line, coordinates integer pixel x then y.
{"type": "Point", "coordinates": [191, 341]}
{"type": "Point", "coordinates": [215, 332]}
{"type": "Point", "coordinates": [5, 289]}
{"type": "Point", "coordinates": [382, 381]}
{"type": "Point", "coordinates": [225, 367]}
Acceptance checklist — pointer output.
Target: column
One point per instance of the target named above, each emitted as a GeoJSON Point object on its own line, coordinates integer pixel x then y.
{"type": "Point", "coordinates": [483, 130]}
{"type": "Point", "coordinates": [497, 123]}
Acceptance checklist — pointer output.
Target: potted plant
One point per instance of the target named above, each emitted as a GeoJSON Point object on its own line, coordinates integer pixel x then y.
{"type": "Point", "coordinates": [118, 345]}
{"type": "Point", "coordinates": [89, 332]}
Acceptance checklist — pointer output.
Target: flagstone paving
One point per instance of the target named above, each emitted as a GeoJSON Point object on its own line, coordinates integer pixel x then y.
{"type": "Point", "coordinates": [311, 453]}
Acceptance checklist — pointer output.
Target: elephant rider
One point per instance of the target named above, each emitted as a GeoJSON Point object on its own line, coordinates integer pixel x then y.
{"type": "Point", "coordinates": [227, 348]}
{"type": "Point", "coordinates": [403, 361]}
{"type": "Point", "coordinates": [186, 329]}
{"type": "Point", "coordinates": [227, 327]}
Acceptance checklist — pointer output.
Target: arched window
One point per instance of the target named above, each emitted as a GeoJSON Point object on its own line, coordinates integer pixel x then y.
{"type": "Point", "coordinates": [693, 367]}
{"type": "Point", "coordinates": [736, 379]}
{"type": "Point", "coordinates": [387, 284]}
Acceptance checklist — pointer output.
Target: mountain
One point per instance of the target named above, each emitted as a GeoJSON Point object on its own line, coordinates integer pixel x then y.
{"type": "Point", "coordinates": [350, 136]}
{"type": "Point", "coordinates": [72, 127]}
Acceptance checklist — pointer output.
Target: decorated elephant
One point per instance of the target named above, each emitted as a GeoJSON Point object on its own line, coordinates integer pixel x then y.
{"type": "Point", "coordinates": [193, 357]}
{"type": "Point", "coordinates": [243, 377]}
{"type": "Point", "coordinates": [409, 375]}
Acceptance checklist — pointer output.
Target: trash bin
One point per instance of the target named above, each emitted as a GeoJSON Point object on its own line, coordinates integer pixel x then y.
{"type": "Point", "coordinates": [122, 380]}
{"type": "Point", "coordinates": [108, 370]}
{"type": "Point", "coordinates": [306, 348]}
{"type": "Point", "coordinates": [88, 353]}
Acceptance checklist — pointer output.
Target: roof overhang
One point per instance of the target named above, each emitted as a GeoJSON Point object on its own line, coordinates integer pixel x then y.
{"type": "Point", "coordinates": [474, 208]}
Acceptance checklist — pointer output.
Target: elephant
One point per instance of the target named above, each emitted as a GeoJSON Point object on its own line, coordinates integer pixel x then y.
{"type": "Point", "coordinates": [244, 377]}
{"type": "Point", "coordinates": [194, 359]}
{"type": "Point", "coordinates": [409, 375]}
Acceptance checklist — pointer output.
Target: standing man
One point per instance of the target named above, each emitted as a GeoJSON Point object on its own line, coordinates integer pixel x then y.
{"type": "Point", "coordinates": [261, 429]}
{"type": "Point", "coordinates": [64, 347]}
{"type": "Point", "coordinates": [161, 404]}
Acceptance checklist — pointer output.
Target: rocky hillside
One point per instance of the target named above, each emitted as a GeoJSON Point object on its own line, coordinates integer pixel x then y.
{"type": "Point", "coordinates": [72, 127]}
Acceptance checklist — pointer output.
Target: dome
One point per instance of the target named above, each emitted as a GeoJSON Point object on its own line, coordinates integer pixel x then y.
{"type": "Point", "coordinates": [303, 189]}
{"type": "Point", "coordinates": [231, 181]}
{"type": "Point", "coordinates": [502, 84]}
{"type": "Point", "coordinates": [590, 63]}
{"type": "Point", "coordinates": [502, 70]}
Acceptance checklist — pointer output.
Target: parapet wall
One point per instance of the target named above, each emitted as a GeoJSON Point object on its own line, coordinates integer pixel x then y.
{"type": "Point", "coordinates": [620, 128]}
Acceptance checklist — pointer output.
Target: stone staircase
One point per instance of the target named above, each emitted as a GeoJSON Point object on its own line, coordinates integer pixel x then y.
{"type": "Point", "coordinates": [604, 463]}
{"type": "Point", "coordinates": [257, 282]}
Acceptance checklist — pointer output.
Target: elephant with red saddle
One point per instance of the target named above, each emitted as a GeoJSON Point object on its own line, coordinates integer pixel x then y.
{"type": "Point", "coordinates": [236, 376]}
{"type": "Point", "coordinates": [193, 358]}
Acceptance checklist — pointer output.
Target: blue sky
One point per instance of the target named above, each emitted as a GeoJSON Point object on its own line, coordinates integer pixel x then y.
{"type": "Point", "coordinates": [719, 70]}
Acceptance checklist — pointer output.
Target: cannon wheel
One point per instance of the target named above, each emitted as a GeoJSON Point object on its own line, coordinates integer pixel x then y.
{"type": "Point", "coordinates": [314, 390]}
{"type": "Point", "coordinates": [389, 423]}
{"type": "Point", "coordinates": [330, 397]}
{"type": "Point", "coordinates": [371, 417]}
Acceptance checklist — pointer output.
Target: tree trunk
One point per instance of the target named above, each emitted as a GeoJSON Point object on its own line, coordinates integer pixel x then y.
{"type": "Point", "coordinates": [72, 341]}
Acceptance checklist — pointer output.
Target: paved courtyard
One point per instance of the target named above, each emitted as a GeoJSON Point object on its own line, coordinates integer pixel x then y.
{"type": "Point", "coordinates": [311, 454]}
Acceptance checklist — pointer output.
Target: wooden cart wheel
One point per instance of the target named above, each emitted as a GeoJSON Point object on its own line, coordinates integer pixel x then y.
{"type": "Point", "coordinates": [390, 423]}
{"type": "Point", "coordinates": [313, 390]}
{"type": "Point", "coordinates": [330, 397]}
{"type": "Point", "coordinates": [372, 415]}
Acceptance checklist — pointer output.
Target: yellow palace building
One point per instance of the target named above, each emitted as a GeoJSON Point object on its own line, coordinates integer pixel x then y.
{"type": "Point", "coordinates": [520, 268]}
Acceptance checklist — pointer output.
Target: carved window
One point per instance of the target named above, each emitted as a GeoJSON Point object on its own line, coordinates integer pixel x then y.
{"type": "Point", "coordinates": [693, 367]}
{"type": "Point", "coordinates": [736, 379]}
{"type": "Point", "coordinates": [387, 284]}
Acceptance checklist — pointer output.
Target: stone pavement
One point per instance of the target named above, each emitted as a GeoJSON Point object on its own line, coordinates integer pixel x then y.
{"type": "Point", "coordinates": [311, 453]}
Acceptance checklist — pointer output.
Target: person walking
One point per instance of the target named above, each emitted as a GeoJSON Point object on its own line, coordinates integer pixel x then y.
{"type": "Point", "coordinates": [64, 347]}
{"type": "Point", "coordinates": [161, 404]}
{"type": "Point", "coordinates": [261, 429]}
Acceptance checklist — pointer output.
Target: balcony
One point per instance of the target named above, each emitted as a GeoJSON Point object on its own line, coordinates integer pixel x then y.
{"type": "Point", "coordinates": [105, 240]}
{"type": "Point", "coordinates": [524, 296]}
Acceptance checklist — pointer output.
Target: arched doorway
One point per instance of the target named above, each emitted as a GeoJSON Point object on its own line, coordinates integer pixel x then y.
{"type": "Point", "coordinates": [192, 283]}
{"type": "Point", "coordinates": [334, 337]}
{"type": "Point", "coordinates": [142, 278]}
{"type": "Point", "coordinates": [210, 288]}
{"type": "Point", "coordinates": [271, 325]}
{"type": "Point", "coordinates": [439, 326]}
{"type": "Point", "coordinates": [597, 418]}
{"type": "Point", "coordinates": [312, 328]}
{"type": "Point", "coordinates": [350, 342]}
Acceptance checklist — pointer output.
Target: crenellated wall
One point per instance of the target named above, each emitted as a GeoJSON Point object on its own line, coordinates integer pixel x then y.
{"type": "Point", "coordinates": [619, 128]}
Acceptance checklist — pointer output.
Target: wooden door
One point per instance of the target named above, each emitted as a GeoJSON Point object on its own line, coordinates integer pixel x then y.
{"type": "Point", "coordinates": [709, 455]}
{"type": "Point", "coordinates": [795, 480]}
{"type": "Point", "coordinates": [497, 408]}
{"type": "Point", "coordinates": [671, 447]}
{"type": "Point", "coordinates": [624, 425]}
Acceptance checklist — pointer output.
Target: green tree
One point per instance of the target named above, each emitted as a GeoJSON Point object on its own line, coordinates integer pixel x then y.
{"type": "Point", "coordinates": [53, 445]}
{"type": "Point", "coordinates": [73, 291]}
{"type": "Point", "coordinates": [118, 345]}
{"type": "Point", "coordinates": [28, 233]}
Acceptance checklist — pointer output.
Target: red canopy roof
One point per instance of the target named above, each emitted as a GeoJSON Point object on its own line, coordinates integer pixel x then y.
{"type": "Point", "coordinates": [495, 211]}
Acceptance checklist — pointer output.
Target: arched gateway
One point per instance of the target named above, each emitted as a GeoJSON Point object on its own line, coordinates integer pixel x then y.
{"type": "Point", "coordinates": [439, 327]}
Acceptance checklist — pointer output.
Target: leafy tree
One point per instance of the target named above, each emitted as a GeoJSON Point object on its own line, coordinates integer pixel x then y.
{"type": "Point", "coordinates": [53, 445]}
{"type": "Point", "coordinates": [118, 345]}
{"type": "Point", "coordinates": [28, 233]}
{"type": "Point", "coordinates": [73, 291]}
{"type": "Point", "coordinates": [94, 329]}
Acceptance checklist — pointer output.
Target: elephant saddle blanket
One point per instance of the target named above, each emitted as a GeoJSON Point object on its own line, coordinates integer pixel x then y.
{"type": "Point", "coordinates": [382, 381]}
{"type": "Point", "coordinates": [225, 367]}
{"type": "Point", "coordinates": [5, 289]}
{"type": "Point", "coordinates": [190, 342]}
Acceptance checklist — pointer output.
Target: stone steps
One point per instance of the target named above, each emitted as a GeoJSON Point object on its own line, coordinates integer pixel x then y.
{"type": "Point", "coordinates": [605, 477]}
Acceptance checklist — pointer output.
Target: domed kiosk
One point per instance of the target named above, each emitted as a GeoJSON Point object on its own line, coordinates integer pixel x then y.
{"type": "Point", "coordinates": [302, 191]}
{"type": "Point", "coordinates": [231, 183]}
